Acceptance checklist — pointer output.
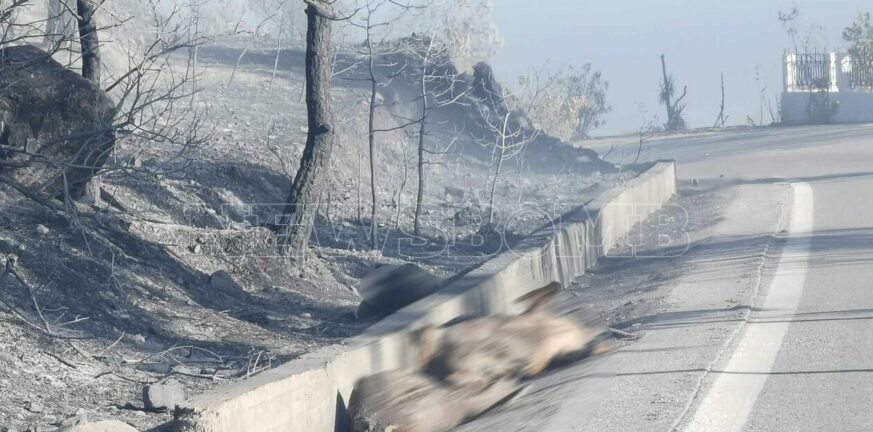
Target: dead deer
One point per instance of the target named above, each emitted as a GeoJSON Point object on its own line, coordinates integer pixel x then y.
{"type": "Point", "coordinates": [480, 351]}
{"type": "Point", "coordinates": [406, 401]}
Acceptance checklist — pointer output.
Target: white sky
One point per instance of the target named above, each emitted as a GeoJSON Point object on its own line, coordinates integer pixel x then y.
{"type": "Point", "coordinates": [701, 38]}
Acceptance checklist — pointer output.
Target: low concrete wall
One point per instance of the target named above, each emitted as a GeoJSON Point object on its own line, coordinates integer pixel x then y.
{"type": "Point", "coordinates": [851, 108]}
{"type": "Point", "coordinates": [309, 394]}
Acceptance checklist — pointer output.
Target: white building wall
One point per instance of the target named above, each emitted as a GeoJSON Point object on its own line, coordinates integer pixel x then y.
{"type": "Point", "coordinates": [851, 107]}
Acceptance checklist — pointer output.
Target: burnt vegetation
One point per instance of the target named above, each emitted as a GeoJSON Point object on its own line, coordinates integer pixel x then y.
{"type": "Point", "coordinates": [196, 196]}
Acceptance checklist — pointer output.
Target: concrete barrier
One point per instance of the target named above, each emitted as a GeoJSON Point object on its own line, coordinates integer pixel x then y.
{"type": "Point", "coordinates": [309, 394]}
{"type": "Point", "coordinates": [850, 108]}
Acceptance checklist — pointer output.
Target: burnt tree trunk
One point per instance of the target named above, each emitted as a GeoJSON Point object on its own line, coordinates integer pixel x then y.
{"type": "Point", "coordinates": [422, 122]}
{"type": "Point", "coordinates": [89, 41]}
{"type": "Point", "coordinates": [721, 120]}
{"type": "Point", "coordinates": [419, 196]}
{"type": "Point", "coordinates": [499, 165]}
{"type": "Point", "coordinates": [371, 136]}
{"type": "Point", "coordinates": [299, 214]}
{"type": "Point", "coordinates": [674, 109]}
{"type": "Point", "coordinates": [667, 92]}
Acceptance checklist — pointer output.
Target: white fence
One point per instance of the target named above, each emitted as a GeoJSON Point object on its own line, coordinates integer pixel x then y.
{"type": "Point", "coordinates": [827, 71]}
{"type": "Point", "coordinates": [827, 87]}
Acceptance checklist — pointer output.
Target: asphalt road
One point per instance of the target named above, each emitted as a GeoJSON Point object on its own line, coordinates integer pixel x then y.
{"type": "Point", "coordinates": [766, 321]}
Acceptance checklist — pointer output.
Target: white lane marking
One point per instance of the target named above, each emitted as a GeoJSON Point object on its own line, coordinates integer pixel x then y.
{"type": "Point", "coordinates": [729, 402]}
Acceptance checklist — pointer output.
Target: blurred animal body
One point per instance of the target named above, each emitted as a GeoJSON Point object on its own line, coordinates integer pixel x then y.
{"type": "Point", "coordinates": [468, 367]}
{"type": "Point", "coordinates": [481, 351]}
{"type": "Point", "coordinates": [405, 401]}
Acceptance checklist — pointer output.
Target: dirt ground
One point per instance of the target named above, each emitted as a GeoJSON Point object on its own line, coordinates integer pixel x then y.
{"type": "Point", "coordinates": [175, 275]}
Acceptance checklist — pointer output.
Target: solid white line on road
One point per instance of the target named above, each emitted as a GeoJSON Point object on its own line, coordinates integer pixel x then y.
{"type": "Point", "coordinates": [727, 405]}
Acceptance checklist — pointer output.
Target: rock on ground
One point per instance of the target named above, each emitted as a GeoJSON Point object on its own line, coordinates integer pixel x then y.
{"type": "Point", "coordinates": [49, 110]}
{"type": "Point", "coordinates": [164, 395]}
{"type": "Point", "coordinates": [222, 281]}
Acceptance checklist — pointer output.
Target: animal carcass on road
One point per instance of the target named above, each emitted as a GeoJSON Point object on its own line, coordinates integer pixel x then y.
{"type": "Point", "coordinates": [402, 401]}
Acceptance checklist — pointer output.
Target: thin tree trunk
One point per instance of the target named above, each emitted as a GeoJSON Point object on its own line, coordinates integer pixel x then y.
{"type": "Point", "coordinates": [279, 46]}
{"type": "Point", "coordinates": [500, 157]}
{"type": "Point", "coordinates": [419, 196]}
{"type": "Point", "coordinates": [400, 191]}
{"type": "Point", "coordinates": [299, 215]}
{"type": "Point", "coordinates": [720, 120]}
{"type": "Point", "coordinates": [639, 148]}
{"type": "Point", "coordinates": [421, 134]}
{"type": "Point", "coordinates": [494, 188]}
{"type": "Point", "coordinates": [193, 51]}
{"type": "Point", "coordinates": [358, 207]}
{"type": "Point", "coordinates": [236, 66]}
{"type": "Point", "coordinates": [371, 135]}
{"type": "Point", "coordinates": [89, 41]}
{"type": "Point", "coordinates": [667, 96]}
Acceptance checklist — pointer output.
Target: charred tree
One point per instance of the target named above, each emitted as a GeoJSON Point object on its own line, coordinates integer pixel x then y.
{"type": "Point", "coordinates": [675, 121]}
{"type": "Point", "coordinates": [721, 120]}
{"type": "Point", "coordinates": [89, 40]}
{"type": "Point", "coordinates": [438, 87]}
{"type": "Point", "coordinates": [299, 213]}
{"type": "Point", "coordinates": [422, 133]}
{"type": "Point", "coordinates": [505, 117]}
{"type": "Point", "coordinates": [371, 139]}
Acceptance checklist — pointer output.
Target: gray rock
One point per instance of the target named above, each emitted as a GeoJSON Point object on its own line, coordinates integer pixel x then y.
{"type": "Point", "coordinates": [222, 281]}
{"type": "Point", "coordinates": [35, 407]}
{"type": "Point", "coordinates": [46, 101]}
{"type": "Point", "coordinates": [137, 338]}
{"type": "Point", "coordinates": [163, 396]}
{"type": "Point", "coordinates": [41, 230]}
{"type": "Point", "coordinates": [391, 287]}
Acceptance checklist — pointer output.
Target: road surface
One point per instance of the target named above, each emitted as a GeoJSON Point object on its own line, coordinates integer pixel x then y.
{"type": "Point", "coordinates": [765, 321]}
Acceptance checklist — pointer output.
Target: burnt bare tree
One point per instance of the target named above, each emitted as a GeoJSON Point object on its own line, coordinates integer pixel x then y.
{"type": "Point", "coordinates": [573, 104]}
{"type": "Point", "coordinates": [721, 120]}
{"type": "Point", "coordinates": [299, 213]}
{"type": "Point", "coordinates": [282, 19]}
{"type": "Point", "coordinates": [675, 108]}
{"type": "Point", "coordinates": [788, 19]}
{"type": "Point", "coordinates": [373, 54]}
{"type": "Point", "coordinates": [504, 114]}
{"type": "Point", "coordinates": [437, 80]}
{"type": "Point", "coordinates": [643, 133]}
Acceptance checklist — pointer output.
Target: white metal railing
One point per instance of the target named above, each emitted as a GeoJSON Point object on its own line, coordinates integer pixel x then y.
{"type": "Point", "coordinates": [827, 71]}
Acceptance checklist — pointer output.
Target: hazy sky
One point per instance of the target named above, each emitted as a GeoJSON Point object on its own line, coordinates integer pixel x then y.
{"type": "Point", "coordinates": [701, 38]}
